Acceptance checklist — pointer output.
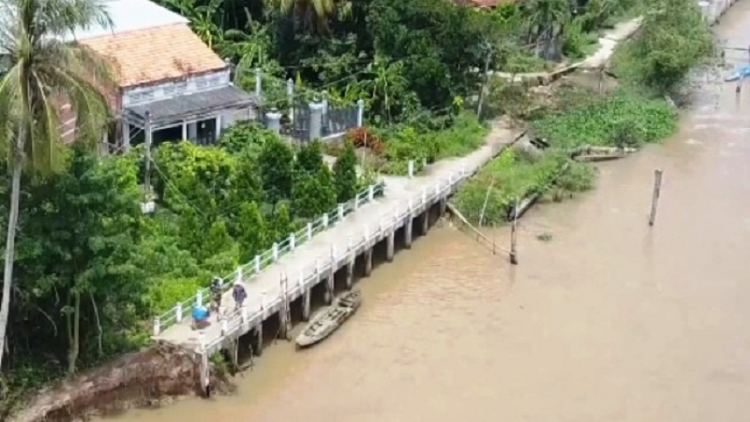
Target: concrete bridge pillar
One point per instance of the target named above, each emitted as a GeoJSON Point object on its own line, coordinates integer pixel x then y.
{"type": "Point", "coordinates": [328, 297]}
{"type": "Point", "coordinates": [443, 206]}
{"type": "Point", "coordinates": [306, 305]}
{"type": "Point", "coordinates": [350, 272]}
{"type": "Point", "coordinates": [425, 221]}
{"type": "Point", "coordinates": [391, 246]}
{"type": "Point", "coordinates": [368, 261]}
{"type": "Point", "coordinates": [408, 232]}
{"type": "Point", "coordinates": [259, 339]}
{"type": "Point", "coordinates": [284, 323]}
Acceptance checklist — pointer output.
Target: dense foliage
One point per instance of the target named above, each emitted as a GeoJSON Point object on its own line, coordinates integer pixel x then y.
{"type": "Point", "coordinates": [92, 270]}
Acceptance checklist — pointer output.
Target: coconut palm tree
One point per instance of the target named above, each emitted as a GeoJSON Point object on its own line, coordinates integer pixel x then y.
{"type": "Point", "coordinates": [545, 20]}
{"type": "Point", "coordinates": [312, 15]}
{"type": "Point", "coordinates": [44, 68]}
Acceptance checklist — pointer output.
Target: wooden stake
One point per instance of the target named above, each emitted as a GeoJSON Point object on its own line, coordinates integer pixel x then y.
{"type": "Point", "coordinates": [513, 227]}
{"type": "Point", "coordinates": [655, 197]}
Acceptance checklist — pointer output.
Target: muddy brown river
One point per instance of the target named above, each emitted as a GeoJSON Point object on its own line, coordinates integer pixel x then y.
{"type": "Point", "coordinates": [610, 320]}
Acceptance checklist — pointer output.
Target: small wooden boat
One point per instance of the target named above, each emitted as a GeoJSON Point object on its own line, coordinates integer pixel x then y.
{"type": "Point", "coordinates": [325, 322]}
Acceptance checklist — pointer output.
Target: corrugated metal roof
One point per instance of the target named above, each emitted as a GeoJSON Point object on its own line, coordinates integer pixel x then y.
{"type": "Point", "coordinates": [194, 105]}
{"type": "Point", "coordinates": [132, 15]}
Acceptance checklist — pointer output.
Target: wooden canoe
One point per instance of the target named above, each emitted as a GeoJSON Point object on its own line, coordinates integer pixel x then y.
{"type": "Point", "coordinates": [325, 322]}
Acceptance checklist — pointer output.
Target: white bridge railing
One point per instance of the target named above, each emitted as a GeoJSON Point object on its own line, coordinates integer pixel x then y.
{"type": "Point", "coordinates": [253, 268]}
{"type": "Point", "coordinates": [259, 308]}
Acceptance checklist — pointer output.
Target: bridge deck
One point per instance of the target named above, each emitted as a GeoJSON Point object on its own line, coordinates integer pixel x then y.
{"type": "Point", "coordinates": [266, 289]}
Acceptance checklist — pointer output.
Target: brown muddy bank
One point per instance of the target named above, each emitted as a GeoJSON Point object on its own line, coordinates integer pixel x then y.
{"type": "Point", "coordinates": [148, 378]}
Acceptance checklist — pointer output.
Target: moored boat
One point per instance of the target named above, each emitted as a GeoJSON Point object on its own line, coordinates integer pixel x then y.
{"type": "Point", "coordinates": [325, 322]}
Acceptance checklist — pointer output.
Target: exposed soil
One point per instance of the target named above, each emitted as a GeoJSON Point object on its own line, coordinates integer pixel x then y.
{"type": "Point", "coordinates": [147, 378]}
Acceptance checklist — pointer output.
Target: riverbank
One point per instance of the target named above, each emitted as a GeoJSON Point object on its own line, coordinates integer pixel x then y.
{"type": "Point", "coordinates": [275, 280]}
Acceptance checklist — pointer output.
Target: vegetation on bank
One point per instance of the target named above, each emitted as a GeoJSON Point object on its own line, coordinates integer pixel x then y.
{"type": "Point", "coordinates": [673, 40]}
{"type": "Point", "coordinates": [91, 270]}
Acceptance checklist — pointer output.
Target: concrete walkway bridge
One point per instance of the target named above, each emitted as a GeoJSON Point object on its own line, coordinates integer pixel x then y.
{"type": "Point", "coordinates": [312, 257]}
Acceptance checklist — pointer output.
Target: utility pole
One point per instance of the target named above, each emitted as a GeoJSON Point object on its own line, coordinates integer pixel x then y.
{"type": "Point", "coordinates": [147, 177]}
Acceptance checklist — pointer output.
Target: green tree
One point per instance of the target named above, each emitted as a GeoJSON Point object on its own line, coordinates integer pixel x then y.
{"type": "Point", "coordinates": [309, 158]}
{"type": "Point", "coordinates": [253, 233]}
{"type": "Point", "coordinates": [314, 195]}
{"type": "Point", "coordinates": [545, 20]}
{"type": "Point", "coordinates": [282, 223]}
{"type": "Point", "coordinates": [673, 38]}
{"type": "Point", "coordinates": [37, 62]}
{"type": "Point", "coordinates": [275, 163]}
{"type": "Point", "coordinates": [79, 242]}
{"type": "Point", "coordinates": [345, 174]}
{"type": "Point", "coordinates": [312, 15]}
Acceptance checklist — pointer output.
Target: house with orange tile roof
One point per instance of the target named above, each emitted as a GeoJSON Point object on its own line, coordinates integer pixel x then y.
{"type": "Point", "coordinates": [168, 81]}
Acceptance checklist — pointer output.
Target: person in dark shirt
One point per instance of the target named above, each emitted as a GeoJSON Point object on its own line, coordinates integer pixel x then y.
{"type": "Point", "coordinates": [216, 295]}
{"type": "Point", "coordinates": [239, 294]}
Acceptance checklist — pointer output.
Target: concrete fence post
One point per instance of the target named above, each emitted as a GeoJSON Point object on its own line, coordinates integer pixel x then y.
{"type": "Point", "coordinates": [411, 205]}
{"type": "Point", "coordinates": [317, 266]}
{"type": "Point", "coordinates": [437, 188]}
{"type": "Point", "coordinates": [275, 251]}
{"type": "Point", "coordinates": [349, 243]}
{"type": "Point", "coordinates": [290, 97]}
{"type": "Point", "coordinates": [341, 212]}
{"type": "Point", "coordinates": [257, 263]}
{"type": "Point", "coordinates": [360, 112]}
{"type": "Point", "coordinates": [202, 342]}
{"type": "Point", "coordinates": [157, 326]}
{"type": "Point", "coordinates": [325, 220]}
{"type": "Point", "coordinates": [367, 235]}
{"type": "Point", "coordinates": [292, 241]}
{"type": "Point", "coordinates": [178, 312]}
{"type": "Point", "coordinates": [199, 298]}
{"type": "Point", "coordinates": [309, 231]}
{"type": "Point", "coordinates": [411, 168]}
{"type": "Point", "coordinates": [424, 196]}
{"type": "Point", "coordinates": [371, 193]}
{"type": "Point", "coordinates": [243, 311]}
{"type": "Point", "coordinates": [316, 121]}
{"type": "Point", "coordinates": [395, 217]}
{"type": "Point", "coordinates": [224, 327]}
{"type": "Point", "coordinates": [356, 202]}
{"type": "Point", "coordinates": [333, 251]}
{"type": "Point", "coordinates": [301, 279]}
{"type": "Point", "coordinates": [273, 121]}
{"type": "Point", "coordinates": [258, 82]}
{"type": "Point", "coordinates": [262, 303]}
{"type": "Point", "coordinates": [239, 274]}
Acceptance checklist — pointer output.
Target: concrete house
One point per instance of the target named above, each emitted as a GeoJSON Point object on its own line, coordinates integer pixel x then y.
{"type": "Point", "coordinates": [168, 80]}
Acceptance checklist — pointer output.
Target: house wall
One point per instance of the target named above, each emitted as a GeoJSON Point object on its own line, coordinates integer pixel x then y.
{"type": "Point", "coordinates": [165, 91]}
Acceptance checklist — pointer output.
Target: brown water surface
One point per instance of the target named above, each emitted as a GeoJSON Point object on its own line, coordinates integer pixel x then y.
{"type": "Point", "coordinates": [608, 321]}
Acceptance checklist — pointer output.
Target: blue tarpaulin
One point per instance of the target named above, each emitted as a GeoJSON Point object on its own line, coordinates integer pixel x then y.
{"type": "Point", "coordinates": [741, 72]}
{"type": "Point", "coordinates": [200, 313]}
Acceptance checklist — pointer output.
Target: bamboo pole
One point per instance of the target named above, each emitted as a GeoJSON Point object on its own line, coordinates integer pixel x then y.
{"type": "Point", "coordinates": [486, 199]}
{"type": "Point", "coordinates": [655, 196]}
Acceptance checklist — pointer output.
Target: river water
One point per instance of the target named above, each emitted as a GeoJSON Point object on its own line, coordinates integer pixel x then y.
{"type": "Point", "coordinates": [610, 320]}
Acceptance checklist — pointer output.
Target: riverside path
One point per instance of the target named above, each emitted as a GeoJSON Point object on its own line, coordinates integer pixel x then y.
{"type": "Point", "coordinates": [291, 276]}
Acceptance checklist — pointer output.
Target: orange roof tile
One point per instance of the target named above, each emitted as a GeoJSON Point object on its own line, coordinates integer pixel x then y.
{"type": "Point", "coordinates": [155, 54]}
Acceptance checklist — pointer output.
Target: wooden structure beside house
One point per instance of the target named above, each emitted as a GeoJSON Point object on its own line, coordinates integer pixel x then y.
{"type": "Point", "coordinates": [168, 80]}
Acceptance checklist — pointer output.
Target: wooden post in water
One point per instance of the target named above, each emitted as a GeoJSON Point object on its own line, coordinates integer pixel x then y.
{"type": "Point", "coordinates": [513, 228]}
{"type": "Point", "coordinates": [655, 197]}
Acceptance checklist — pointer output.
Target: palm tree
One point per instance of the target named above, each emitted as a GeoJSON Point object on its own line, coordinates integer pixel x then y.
{"type": "Point", "coordinates": [546, 19]}
{"type": "Point", "coordinates": [41, 71]}
{"type": "Point", "coordinates": [312, 15]}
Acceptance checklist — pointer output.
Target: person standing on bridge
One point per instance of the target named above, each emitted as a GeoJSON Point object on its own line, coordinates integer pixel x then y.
{"type": "Point", "coordinates": [216, 296]}
{"type": "Point", "coordinates": [239, 294]}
